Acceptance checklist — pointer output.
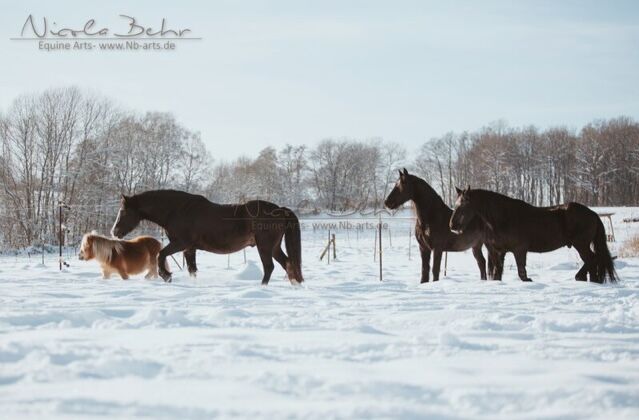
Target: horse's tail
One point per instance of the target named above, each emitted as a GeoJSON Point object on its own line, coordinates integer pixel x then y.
{"type": "Point", "coordinates": [293, 241]}
{"type": "Point", "coordinates": [605, 263]}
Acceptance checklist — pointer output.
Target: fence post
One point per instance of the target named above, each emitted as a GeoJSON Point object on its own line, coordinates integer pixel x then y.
{"type": "Point", "coordinates": [380, 247]}
{"type": "Point", "coordinates": [60, 234]}
{"type": "Point", "coordinates": [334, 251]}
{"type": "Point", "coordinates": [375, 247]}
{"type": "Point", "coordinates": [328, 259]}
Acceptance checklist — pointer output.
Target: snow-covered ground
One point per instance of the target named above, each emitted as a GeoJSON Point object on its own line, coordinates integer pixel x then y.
{"type": "Point", "coordinates": [343, 346]}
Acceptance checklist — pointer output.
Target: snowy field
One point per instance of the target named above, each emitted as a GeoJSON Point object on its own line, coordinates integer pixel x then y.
{"type": "Point", "coordinates": [342, 346]}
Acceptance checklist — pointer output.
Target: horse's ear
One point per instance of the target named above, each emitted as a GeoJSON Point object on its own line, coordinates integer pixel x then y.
{"type": "Point", "coordinates": [124, 198]}
{"type": "Point", "coordinates": [401, 175]}
{"type": "Point", "coordinates": [405, 172]}
{"type": "Point", "coordinates": [459, 192]}
{"type": "Point", "coordinates": [468, 189]}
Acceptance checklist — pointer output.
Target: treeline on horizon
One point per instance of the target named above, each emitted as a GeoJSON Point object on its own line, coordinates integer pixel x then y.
{"type": "Point", "coordinates": [67, 145]}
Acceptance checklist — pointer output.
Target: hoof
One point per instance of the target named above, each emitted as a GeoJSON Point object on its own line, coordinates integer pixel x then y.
{"type": "Point", "coordinates": [424, 281]}
{"type": "Point", "coordinates": [526, 279]}
{"type": "Point", "coordinates": [193, 274]}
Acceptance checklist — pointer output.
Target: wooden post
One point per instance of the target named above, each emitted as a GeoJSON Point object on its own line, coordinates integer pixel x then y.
{"type": "Point", "coordinates": [612, 229]}
{"type": "Point", "coordinates": [375, 248]}
{"type": "Point", "coordinates": [380, 248]}
{"type": "Point", "coordinates": [328, 259]}
{"type": "Point", "coordinates": [228, 261]}
{"type": "Point", "coordinates": [60, 234]}
{"type": "Point", "coordinates": [244, 255]}
{"type": "Point", "coordinates": [409, 243]}
{"type": "Point", "coordinates": [334, 251]}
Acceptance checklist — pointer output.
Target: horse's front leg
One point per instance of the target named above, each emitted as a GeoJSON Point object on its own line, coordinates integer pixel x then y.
{"type": "Point", "coordinates": [437, 262]}
{"type": "Point", "coordinates": [520, 259]}
{"type": "Point", "coordinates": [481, 261]}
{"type": "Point", "coordinates": [170, 249]}
{"type": "Point", "coordinates": [189, 256]}
{"type": "Point", "coordinates": [425, 251]}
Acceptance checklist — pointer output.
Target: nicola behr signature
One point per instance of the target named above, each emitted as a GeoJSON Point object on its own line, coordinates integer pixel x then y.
{"type": "Point", "coordinates": [90, 30]}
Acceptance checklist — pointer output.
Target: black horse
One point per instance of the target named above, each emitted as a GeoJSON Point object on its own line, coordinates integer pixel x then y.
{"type": "Point", "coordinates": [192, 222]}
{"type": "Point", "coordinates": [515, 226]}
{"type": "Point", "coordinates": [431, 228]}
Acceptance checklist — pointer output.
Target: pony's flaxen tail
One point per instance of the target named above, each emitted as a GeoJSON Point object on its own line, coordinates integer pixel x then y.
{"type": "Point", "coordinates": [293, 241]}
{"type": "Point", "coordinates": [605, 263]}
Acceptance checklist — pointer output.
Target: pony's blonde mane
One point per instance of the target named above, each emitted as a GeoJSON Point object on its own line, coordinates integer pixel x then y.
{"type": "Point", "coordinates": [103, 247]}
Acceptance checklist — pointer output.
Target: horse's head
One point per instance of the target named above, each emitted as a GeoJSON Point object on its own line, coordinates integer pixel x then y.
{"type": "Point", "coordinates": [128, 218]}
{"type": "Point", "coordinates": [402, 192]}
{"type": "Point", "coordinates": [463, 212]}
{"type": "Point", "coordinates": [86, 248]}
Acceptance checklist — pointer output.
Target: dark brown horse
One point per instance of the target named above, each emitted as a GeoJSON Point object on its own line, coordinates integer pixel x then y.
{"type": "Point", "coordinates": [192, 222]}
{"type": "Point", "coordinates": [431, 228]}
{"type": "Point", "coordinates": [515, 226]}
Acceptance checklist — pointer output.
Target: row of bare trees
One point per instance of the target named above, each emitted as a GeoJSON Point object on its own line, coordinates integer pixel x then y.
{"type": "Point", "coordinates": [335, 175]}
{"type": "Point", "coordinates": [77, 148]}
{"type": "Point", "coordinates": [597, 166]}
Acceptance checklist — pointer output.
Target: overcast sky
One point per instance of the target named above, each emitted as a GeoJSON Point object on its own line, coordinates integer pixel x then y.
{"type": "Point", "coordinates": [276, 72]}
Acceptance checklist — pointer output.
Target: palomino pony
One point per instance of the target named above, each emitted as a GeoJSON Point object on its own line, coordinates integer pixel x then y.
{"type": "Point", "coordinates": [515, 226]}
{"type": "Point", "coordinates": [192, 222]}
{"type": "Point", "coordinates": [122, 257]}
{"type": "Point", "coordinates": [431, 228]}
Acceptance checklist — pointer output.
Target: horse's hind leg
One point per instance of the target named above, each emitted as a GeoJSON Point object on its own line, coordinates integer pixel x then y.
{"type": "Point", "coordinates": [520, 259]}
{"type": "Point", "coordinates": [189, 256]}
{"type": "Point", "coordinates": [282, 259]}
{"type": "Point", "coordinates": [499, 258]}
{"type": "Point", "coordinates": [481, 261]}
{"type": "Point", "coordinates": [588, 257]}
{"type": "Point", "coordinates": [265, 249]}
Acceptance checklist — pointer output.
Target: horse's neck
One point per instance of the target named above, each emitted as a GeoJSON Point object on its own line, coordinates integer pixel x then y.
{"type": "Point", "coordinates": [493, 209]}
{"type": "Point", "coordinates": [429, 207]}
{"type": "Point", "coordinates": [157, 212]}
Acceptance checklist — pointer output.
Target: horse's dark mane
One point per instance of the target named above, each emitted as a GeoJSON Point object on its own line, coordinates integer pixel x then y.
{"type": "Point", "coordinates": [164, 194]}
{"type": "Point", "coordinates": [428, 201]}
